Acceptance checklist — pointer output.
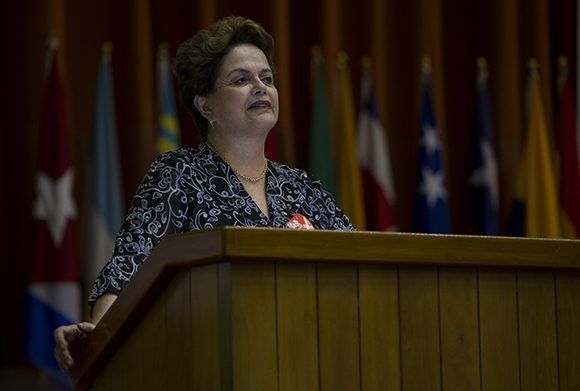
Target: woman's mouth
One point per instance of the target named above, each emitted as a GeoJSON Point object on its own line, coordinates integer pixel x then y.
{"type": "Point", "coordinates": [260, 104]}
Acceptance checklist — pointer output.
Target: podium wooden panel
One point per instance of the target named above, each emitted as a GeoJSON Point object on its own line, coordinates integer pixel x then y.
{"type": "Point", "coordinates": [266, 309]}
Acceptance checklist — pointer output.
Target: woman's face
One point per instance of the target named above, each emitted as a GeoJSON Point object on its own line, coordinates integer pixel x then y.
{"type": "Point", "coordinates": [244, 96]}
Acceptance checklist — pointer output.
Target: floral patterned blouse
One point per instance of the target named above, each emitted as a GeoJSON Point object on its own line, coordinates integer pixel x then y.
{"type": "Point", "coordinates": [193, 189]}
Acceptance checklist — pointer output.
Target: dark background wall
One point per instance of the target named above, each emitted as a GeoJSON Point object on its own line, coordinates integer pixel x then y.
{"type": "Point", "coordinates": [395, 34]}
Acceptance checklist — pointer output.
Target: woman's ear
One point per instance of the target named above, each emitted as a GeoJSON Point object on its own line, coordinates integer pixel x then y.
{"type": "Point", "coordinates": [200, 103]}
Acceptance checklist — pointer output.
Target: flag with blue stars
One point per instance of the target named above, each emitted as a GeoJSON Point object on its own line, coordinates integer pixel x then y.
{"type": "Point", "coordinates": [483, 189]}
{"type": "Point", "coordinates": [431, 206]}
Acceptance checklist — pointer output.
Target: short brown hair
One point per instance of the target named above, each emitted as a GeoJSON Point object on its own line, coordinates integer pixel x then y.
{"type": "Point", "coordinates": [199, 58]}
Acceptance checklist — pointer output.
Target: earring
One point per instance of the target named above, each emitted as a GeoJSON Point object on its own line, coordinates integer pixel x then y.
{"type": "Point", "coordinates": [212, 123]}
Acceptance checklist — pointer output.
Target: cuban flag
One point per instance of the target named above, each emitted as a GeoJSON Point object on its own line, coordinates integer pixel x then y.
{"type": "Point", "coordinates": [483, 187]}
{"type": "Point", "coordinates": [431, 209]}
{"type": "Point", "coordinates": [373, 155]}
{"type": "Point", "coordinates": [106, 206]}
{"type": "Point", "coordinates": [169, 136]}
{"type": "Point", "coordinates": [53, 294]}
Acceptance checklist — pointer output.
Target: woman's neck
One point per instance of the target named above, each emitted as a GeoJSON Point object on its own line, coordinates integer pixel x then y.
{"type": "Point", "coordinates": [244, 154]}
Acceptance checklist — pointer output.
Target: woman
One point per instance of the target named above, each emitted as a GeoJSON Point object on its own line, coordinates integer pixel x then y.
{"type": "Point", "coordinates": [226, 78]}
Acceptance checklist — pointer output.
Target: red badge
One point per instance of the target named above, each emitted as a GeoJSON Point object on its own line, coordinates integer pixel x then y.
{"type": "Point", "coordinates": [300, 222]}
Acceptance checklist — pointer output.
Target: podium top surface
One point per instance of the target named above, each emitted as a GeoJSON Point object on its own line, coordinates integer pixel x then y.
{"type": "Point", "coordinates": [269, 244]}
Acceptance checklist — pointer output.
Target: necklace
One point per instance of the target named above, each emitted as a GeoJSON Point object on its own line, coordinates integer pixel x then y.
{"type": "Point", "coordinates": [239, 174]}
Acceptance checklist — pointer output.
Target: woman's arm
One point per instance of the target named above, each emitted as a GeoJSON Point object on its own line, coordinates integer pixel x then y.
{"type": "Point", "coordinates": [102, 305]}
{"type": "Point", "coordinates": [159, 207]}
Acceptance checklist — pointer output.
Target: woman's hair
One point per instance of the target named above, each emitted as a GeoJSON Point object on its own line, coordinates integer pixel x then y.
{"type": "Point", "coordinates": [198, 59]}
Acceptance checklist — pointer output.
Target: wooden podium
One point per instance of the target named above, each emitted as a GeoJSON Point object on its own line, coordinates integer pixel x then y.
{"type": "Point", "coordinates": [266, 309]}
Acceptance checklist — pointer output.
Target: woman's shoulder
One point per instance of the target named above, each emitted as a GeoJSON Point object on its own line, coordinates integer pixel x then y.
{"type": "Point", "coordinates": [297, 176]}
{"type": "Point", "coordinates": [290, 173]}
{"type": "Point", "coordinates": [184, 155]}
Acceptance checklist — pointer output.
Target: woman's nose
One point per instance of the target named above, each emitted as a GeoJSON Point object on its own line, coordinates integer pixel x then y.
{"type": "Point", "coordinates": [259, 86]}
{"type": "Point", "coordinates": [259, 89]}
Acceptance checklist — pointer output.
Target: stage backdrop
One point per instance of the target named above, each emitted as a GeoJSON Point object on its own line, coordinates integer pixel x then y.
{"type": "Point", "coordinates": [396, 34]}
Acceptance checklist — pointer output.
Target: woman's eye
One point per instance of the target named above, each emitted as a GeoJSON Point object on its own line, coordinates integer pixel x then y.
{"type": "Point", "coordinates": [268, 80]}
{"type": "Point", "coordinates": [240, 80]}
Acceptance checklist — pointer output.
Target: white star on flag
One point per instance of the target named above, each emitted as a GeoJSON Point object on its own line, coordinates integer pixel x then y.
{"type": "Point", "coordinates": [486, 175]}
{"type": "Point", "coordinates": [430, 139]}
{"type": "Point", "coordinates": [54, 203]}
{"type": "Point", "coordinates": [432, 186]}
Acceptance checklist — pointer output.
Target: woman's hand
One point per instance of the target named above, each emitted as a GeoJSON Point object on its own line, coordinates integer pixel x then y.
{"type": "Point", "coordinates": [67, 338]}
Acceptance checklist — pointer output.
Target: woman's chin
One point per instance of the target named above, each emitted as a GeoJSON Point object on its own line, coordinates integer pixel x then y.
{"type": "Point", "coordinates": [265, 124]}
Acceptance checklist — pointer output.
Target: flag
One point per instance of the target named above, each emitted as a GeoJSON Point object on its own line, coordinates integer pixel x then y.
{"type": "Point", "coordinates": [566, 144]}
{"type": "Point", "coordinates": [271, 145]}
{"type": "Point", "coordinates": [321, 154]}
{"type": "Point", "coordinates": [483, 187]}
{"type": "Point", "coordinates": [373, 155]}
{"type": "Point", "coordinates": [53, 294]}
{"type": "Point", "coordinates": [431, 209]}
{"type": "Point", "coordinates": [535, 211]}
{"type": "Point", "coordinates": [168, 137]}
{"type": "Point", "coordinates": [350, 193]}
{"type": "Point", "coordinates": [578, 82]}
{"type": "Point", "coordinates": [105, 205]}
